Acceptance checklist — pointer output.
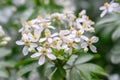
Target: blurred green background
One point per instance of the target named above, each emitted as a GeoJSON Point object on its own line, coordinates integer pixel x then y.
{"type": "Point", "coordinates": [14, 12]}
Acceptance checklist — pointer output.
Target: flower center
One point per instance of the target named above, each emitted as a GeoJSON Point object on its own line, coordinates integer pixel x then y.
{"type": "Point", "coordinates": [44, 50]}
{"type": "Point", "coordinates": [27, 42]}
{"type": "Point", "coordinates": [78, 33]}
{"type": "Point", "coordinates": [35, 36]}
{"type": "Point", "coordinates": [47, 34]}
{"type": "Point", "coordinates": [106, 5]}
{"type": "Point", "coordinates": [39, 17]}
{"type": "Point", "coordinates": [55, 42]}
{"type": "Point", "coordinates": [47, 45]}
{"type": "Point", "coordinates": [70, 43]}
{"type": "Point", "coordinates": [44, 25]}
{"type": "Point", "coordinates": [84, 25]}
{"type": "Point", "coordinates": [89, 41]}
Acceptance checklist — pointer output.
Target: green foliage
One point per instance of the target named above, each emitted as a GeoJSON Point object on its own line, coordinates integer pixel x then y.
{"type": "Point", "coordinates": [59, 74]}
{"type": "Point", "coordinates": [26, 69]}
{"type": "Point", "coordinates": [4, 52]}
{"type": "Point", "coordinates": [82, 70]}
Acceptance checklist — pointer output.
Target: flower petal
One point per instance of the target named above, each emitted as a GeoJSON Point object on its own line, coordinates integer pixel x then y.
{"type": "Point", "coordinates": [20, 42]}
{"type": "Point", "coordinates": [42, 39]}
{"type": "Point", "coordinates": [35, 55]}
{"type": "Point", "coordinates": [51, 56]}
{"type": "Point", "coordinates": [93, 48]}
{"type": "Point", "coordinates": [25, 50]}
{"type": "Point", "coordinates": [41, 60]}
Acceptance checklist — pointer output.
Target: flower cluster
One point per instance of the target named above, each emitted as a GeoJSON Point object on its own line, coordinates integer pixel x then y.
{"type": "Point", "coordinates": [57, 35]}
{"type": "Point", "coordinates": [3, 40]}
{"type": "Point", "coordinates": [109, 8]}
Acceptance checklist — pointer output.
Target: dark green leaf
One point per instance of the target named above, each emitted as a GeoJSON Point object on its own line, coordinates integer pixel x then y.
{"type": "Point", "coordinates": [59, 74]}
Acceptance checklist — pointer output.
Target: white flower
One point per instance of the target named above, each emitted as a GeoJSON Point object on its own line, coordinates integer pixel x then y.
{"type": "Point", "coordinates": [108, 8]}
{"type": "Point", "coordinates": [56, 43]}
{"type": "Point", "coordinates": [46, 25]}
{"type": "Point", "coordinates": [85, 23]}
{"type": "Point", "coordinates": [28, 45]}
{"type": "Point", "coordinates": [82, 13]}
{"type": "Point", "coordinates": [48, 36]}
{"type": "Point", "coordinates": [69, 45]}
{"type": "Point", "coordinates": [35, 36]}
{"type": "Point", "coordinates": [90, 43]}
{"type": "Point", "coordinates": [42, 54]}
{"type": "Point", "coordinates": [77, 35]}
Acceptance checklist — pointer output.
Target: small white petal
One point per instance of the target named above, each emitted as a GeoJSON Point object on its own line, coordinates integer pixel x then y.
{"type": "Point", "coordinates": [33, 45]}
{"type": "Point", "coordinates": [103, 13]}
{"type": "Point", "coordinates": [77, 39]}
{"type": "Point", "coordinates": [84, 45]}
{"type": "Point", "coordinates": [41, 60]}
{"type": "Point", "coordinates": [25, 50]}
{"type": "Point", "coordinates": [55, 34]}
{"type": "Point", "coordinates": [35, 55]}
{"type": "Point", "coordinates": [51, 56]}
{"type": "Point", "coordinates": [75, 46]}
{"type": "Point", "coordinates": [20, 42]}
{"type": "Point", "coordinates": [93, 48]}
{"type": "Point", "coordinates": [42, 39]}
{"type": "Point", "coordinates": [102, 8]}
{"type": "Point", "coordinates": [50, 40]}
{"type": "Point", "coordinates": [39, 49]}
{"type": "Point", "coordinates": [64, 46]}
{"type": "Point", "coordinates": [94, 39]}
{"type": "Point", "coordinates": [51, 27]}
{"type": "Point", "coordinates": [84, 38]}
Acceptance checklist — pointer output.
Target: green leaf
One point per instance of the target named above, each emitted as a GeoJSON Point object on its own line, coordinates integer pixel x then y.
{"type": "Point", "coordinates": [72, 60]}
{"type": "Point", "coordinates": [116, 34]}
{"type": "Point", "coordinates": [59, 74]}
{"type": "Point", "coordinates": [74, 74]}
{"type": "Point", "coordinates": [91, 68]}
{"type": "Point", "coordinates": [4, 73]}
{"type": "Point", "coordinates": [7, 63]}
{"type": "Point", "coordinates": [84, 58]}
{"type": "Point", "coordinates": [4, 52]}
{"type": "Point", "coordinates": [49, 68]}
{"type": "Point", "coordinates": [115, 53]}
{"type": "Point", "coordinates": [26, 69]}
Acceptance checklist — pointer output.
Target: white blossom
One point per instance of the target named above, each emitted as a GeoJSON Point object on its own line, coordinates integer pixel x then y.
{"type": "Point", "coordinates": [42, 54]}
{"type": "Point", "coordinates": [108, 8]}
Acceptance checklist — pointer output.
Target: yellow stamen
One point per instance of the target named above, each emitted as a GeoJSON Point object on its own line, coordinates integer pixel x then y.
{"type": "Point", "coordinates": [35, 36]}
{"type": "Point", "coordinates": [84, 25]}
{"type": "Point", "coordinates": [44, 25]}
{"type": "Point", "coordinates": [39, 17]}
{"type": "Point", "coordinates": [44, 50]}
{"type": "Point", "coordinates": [47, 34]}
{"type": "Point", "coordinates": [55, 42]}
{"type": "Point", "coordinates": [47, 45]}
{"type": "Point", "coordinates": [106, 5]}
{"type": "Point", "coordinates": [78, 33]}
{"type": "Point", "coordinates": [89, 41]}
{"type": "Point", "coordinates": [70, 43]}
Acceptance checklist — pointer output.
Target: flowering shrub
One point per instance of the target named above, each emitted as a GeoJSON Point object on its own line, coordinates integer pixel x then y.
{"type": "Point", "coordinates": [57, 38]}
{"type": "Point", "coordinates": [68, 36]}
{"type": "Point", "coordinates": [59, 45]}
